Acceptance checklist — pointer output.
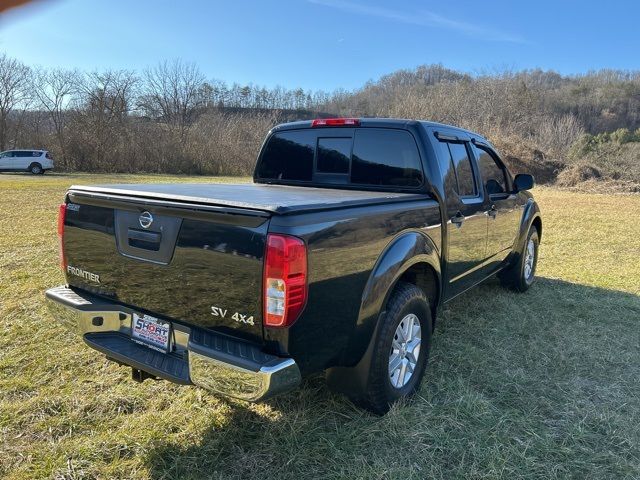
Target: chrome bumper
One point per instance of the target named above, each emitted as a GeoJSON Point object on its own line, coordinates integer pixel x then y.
{"type": "Point", "coordinates": [215, 362]}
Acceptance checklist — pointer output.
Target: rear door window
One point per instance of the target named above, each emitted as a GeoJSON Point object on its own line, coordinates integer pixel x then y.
{"type": "Point", "coordinates": [385, 157]}
{"type": "Point", "coordinates": [464, 170]}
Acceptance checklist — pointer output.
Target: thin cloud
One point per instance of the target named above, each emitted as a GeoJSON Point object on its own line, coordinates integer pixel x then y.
{"type": "Point", "coordinates": [424, 18]}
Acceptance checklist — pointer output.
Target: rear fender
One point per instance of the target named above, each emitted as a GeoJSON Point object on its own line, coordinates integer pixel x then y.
{"type": "Point", "coordinates": [404, 251]}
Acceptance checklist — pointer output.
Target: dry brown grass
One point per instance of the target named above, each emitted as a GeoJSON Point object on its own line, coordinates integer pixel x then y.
{"type": "Point", "coordinates": [539, 385]}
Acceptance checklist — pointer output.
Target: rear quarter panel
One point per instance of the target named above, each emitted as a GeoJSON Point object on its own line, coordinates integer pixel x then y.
{"type": "Point", "coordinates": [343, 248]}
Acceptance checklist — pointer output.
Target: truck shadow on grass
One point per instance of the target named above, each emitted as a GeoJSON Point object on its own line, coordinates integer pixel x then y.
{"type": "Point", "coordinates": [542, 384]}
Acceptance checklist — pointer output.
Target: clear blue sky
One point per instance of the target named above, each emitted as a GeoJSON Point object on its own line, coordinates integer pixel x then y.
{"type": "Point", "coordinates": [325, 44]}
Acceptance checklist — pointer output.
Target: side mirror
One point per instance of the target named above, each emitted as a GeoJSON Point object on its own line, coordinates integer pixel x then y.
{"type": "Point", "coordinates": [523, 181]}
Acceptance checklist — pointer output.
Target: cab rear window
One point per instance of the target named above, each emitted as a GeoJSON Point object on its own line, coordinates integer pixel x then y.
{"type": "Point", "coordinates": [334, 155]}
{"type": "Point", "coordinates": [289, 156]}
{"type": "Point", "coordinates": [359, 156]}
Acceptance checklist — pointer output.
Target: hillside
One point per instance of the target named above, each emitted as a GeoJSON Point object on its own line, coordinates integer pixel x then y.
{"type": "Point", "coordinates": [537, 119]}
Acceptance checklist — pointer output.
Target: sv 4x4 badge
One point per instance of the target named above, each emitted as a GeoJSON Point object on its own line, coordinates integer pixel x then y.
{"type": "Point", "coordinates": [238, 317]}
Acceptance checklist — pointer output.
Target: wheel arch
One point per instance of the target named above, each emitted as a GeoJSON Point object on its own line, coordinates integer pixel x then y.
{"type": "Point", "coordinates": [537, 222]}
{"type": "Point", "coordinates": [424, 276]}
{"type": "Point", "coordinates": [530, 216]}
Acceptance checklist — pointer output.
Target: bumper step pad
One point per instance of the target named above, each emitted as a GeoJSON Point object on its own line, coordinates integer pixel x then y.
{"type": "Point", "coordinates": [229, 350]}
{"type": "Point", "coordinates": [121, 348]}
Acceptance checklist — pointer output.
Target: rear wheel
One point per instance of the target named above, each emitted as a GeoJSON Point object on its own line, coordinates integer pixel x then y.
{"type": "Point", "coordinates": [35, 168]}
{"type": "Point", "coordinates": [401, 350]}
{"type": "Point", "coordinates": [520, 275]}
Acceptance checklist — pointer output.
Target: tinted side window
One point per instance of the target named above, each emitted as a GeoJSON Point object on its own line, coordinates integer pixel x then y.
{"type": "Point", "coordinates": [25, 153]}
{"type": "Point", "coordinates": [289, 156]}
{"type": "Point", "coordinates": [446, 168]}
{"type": "Point", "coordinates": [492, 174]}
{"type": "Point", "coordinates": [334, 155]}
{"type": "Point", "coordinates": [385, 157]}
{"type": "Point", "coordinates": [464, 170]}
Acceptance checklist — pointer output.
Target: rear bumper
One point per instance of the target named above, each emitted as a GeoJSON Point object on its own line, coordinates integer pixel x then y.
{"type": "Point", "coordinates": [215, 362]}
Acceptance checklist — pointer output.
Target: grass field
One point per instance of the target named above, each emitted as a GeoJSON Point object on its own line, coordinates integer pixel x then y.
{"type": "Point", "coordinates": [538, 385]}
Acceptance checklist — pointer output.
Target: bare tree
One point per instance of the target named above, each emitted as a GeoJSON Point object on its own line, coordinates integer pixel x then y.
{"type": "Point", "coordinates": [171, 93]}
{"type": "Point", "coordinates": [14, 91]}
{"type": "Point", "coordinates": [53, 90]}
{"type": "Point", "coordinates": [109, 94]}
{"type": "Point", "coordinates": [103, 104]}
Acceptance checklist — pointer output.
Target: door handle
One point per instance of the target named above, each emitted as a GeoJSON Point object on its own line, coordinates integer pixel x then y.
{"type": "Point", "coordinates": [492, 212]}
{"type": "Point", "coordinates": [458, 219]}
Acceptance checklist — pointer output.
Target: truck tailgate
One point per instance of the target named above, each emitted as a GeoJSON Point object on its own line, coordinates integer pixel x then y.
{"type": "Point", "coordinates": [195, 264]}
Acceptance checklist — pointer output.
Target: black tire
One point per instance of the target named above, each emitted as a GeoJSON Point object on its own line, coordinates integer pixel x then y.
{"type": "Point", "coordinates": [35, 168]}
{"type": "Point", "coordinates": [515, 277]}
{"type": "Point", "coordinates": [380, 394]}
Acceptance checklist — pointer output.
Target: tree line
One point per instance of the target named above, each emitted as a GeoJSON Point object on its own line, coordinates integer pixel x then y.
{"type": "Point", "coordinates": [171, 118]}
{"type": "Point", "coordinates": [167, 118]}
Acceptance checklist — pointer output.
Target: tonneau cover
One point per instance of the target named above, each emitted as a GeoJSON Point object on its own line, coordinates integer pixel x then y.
{"type": "Point", "coordinates": [280, 199]}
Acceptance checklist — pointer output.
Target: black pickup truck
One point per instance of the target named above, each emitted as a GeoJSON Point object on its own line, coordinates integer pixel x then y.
{"type": "Point", "coordinates": [336, 258]}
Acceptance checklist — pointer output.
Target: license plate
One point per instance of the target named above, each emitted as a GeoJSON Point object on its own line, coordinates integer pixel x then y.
{"type": "Point", "coordinates": [151, 331]}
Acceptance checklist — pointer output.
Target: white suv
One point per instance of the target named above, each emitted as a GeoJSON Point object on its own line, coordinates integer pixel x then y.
{"type": "Point", "coordinates": [34, 161]}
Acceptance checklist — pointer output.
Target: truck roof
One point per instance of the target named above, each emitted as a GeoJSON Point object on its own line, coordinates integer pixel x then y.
{"type": "Point", "coordinates": [380, 123]}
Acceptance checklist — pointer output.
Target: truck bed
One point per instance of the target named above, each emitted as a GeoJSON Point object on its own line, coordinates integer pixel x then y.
{"type": "Point", "coordinates": [278, 199]}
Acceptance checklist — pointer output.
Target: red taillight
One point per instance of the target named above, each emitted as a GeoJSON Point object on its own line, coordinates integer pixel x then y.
{"type": "Point", "coordinates": [335, 122]}
{"type": "Point", "coordinates": [285, 280]}
{"type": "Point", "coordinates": [62, 215]}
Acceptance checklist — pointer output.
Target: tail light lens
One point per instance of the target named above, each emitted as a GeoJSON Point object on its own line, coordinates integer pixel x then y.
{"type": "Point", "coordinates": [285, 280]}
{"type": "Point", "coordinates": [62, 215]}
{"type": "Point", "coordinates": [335, 122]}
